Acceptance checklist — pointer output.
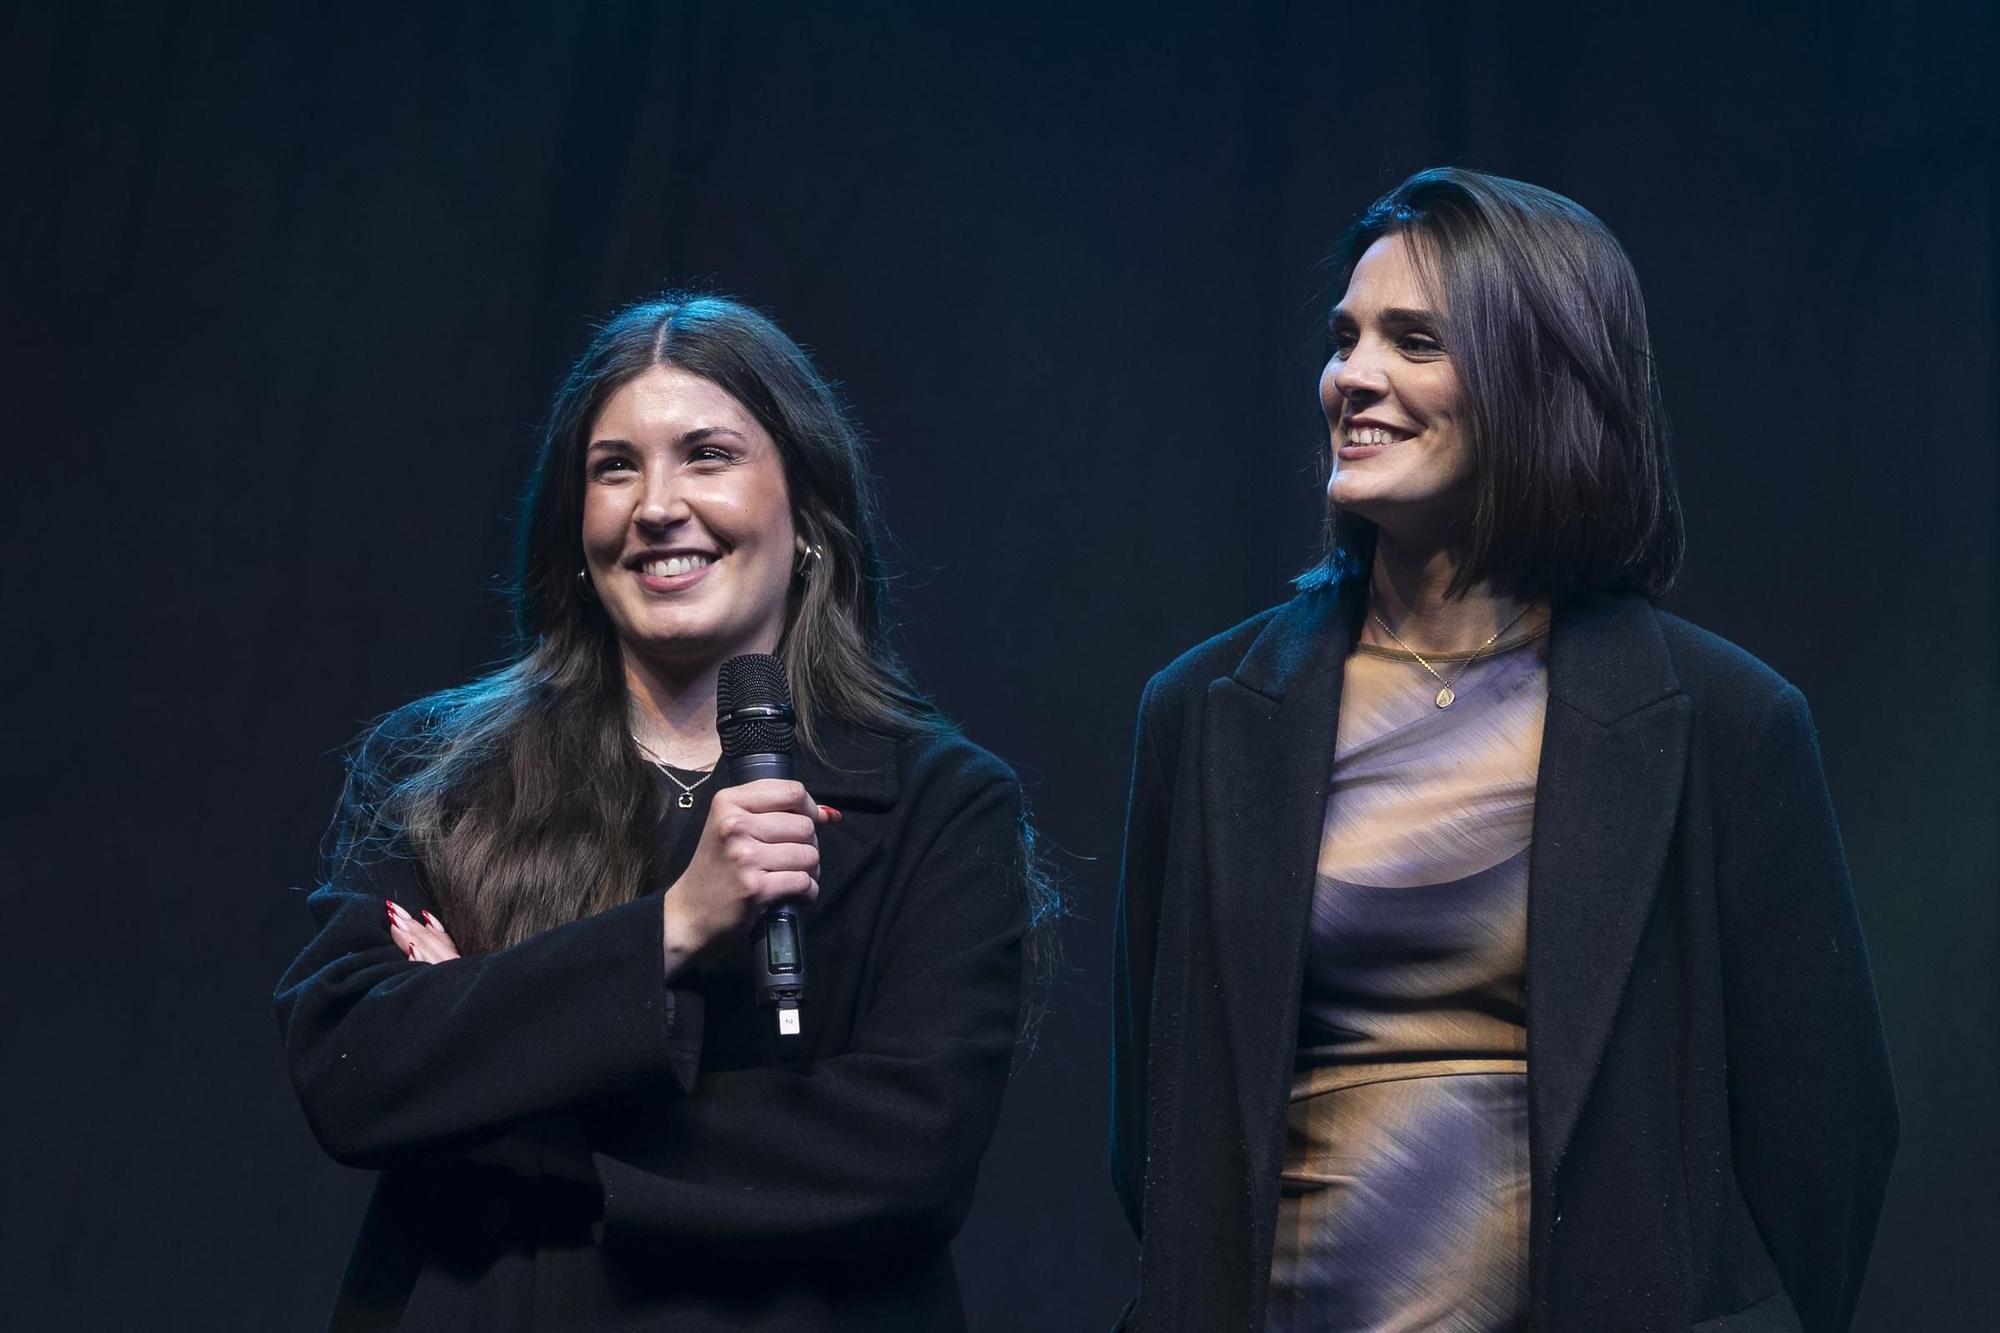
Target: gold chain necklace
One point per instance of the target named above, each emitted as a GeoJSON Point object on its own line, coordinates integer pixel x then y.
{"type": "Point", "coordinates": [686, 799]}
{"type": "Point", "coordinates": [1446, 695]}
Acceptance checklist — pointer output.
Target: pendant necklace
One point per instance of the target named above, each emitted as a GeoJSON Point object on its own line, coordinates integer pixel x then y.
{"type": "Point", "coordinates": [686, 799]}
{"type": "Point", "coordinates": [1446, 696]}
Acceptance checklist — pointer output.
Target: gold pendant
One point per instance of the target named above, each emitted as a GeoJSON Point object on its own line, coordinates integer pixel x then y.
{"type": "Point", "coordinates": [1445, 697]}
{"type": "Point", "coordinates": [687, 797]}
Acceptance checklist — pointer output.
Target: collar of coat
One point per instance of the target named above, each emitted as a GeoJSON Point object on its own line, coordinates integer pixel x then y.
{"type": "Point", "coordinates": [1612, 763]}
{"type": "Point", "coordinates": [857, 773]}
{"type": "Point", "coordinates": [854, 768]}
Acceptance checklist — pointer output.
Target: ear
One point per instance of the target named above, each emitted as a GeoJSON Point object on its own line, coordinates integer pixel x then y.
{"type": "Point", "coordinates": [807, 543]}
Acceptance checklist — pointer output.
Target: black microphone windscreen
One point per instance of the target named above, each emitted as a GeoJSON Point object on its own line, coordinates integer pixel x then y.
{"type": "Point", "coordinates": [753, 706]}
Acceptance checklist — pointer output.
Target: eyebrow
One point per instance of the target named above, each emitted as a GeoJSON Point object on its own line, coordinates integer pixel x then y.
{"type": "Point", "coordinates": [1398, 314]}
{"type": "Point", "coordinates": [695, 436]}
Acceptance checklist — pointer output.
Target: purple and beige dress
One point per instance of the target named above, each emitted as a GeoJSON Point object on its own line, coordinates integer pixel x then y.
{"type": "Point", "coordinates": [1404, 1199]}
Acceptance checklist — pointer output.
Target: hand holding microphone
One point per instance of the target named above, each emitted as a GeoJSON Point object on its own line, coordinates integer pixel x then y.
{"type": "Point", "coordinates": [759, 848]}
{"type": "Point", "coordinates": [758, 857]}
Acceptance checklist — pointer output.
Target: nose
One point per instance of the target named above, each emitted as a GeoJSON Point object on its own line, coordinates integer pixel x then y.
{"type": "Point", "coordinates": [662, 504]}
{"type": "Point", "coordinates": [1360, 374]}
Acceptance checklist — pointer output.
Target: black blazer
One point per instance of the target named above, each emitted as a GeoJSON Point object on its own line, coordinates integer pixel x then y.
{"type": "Point", "coordinates": [566, 1141]}
{"type": "Point", "coordinates": [1711, 1117]}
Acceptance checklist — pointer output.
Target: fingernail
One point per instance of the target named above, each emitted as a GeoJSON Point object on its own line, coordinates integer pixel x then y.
{"type": "Point", "coordinates": [413, 953]}
{"type": "Point", "coordinates": [832, 814]}
{"type": "Point", "coordinates": [432, 922]}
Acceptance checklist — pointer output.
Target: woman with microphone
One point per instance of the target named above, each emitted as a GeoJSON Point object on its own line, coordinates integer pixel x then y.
{"type": "Point", "coordinates": [530, 1002]}
{"type": "Point", "coordinates": [1486, 955]}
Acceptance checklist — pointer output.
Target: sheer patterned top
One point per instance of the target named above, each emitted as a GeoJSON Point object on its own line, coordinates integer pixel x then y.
{"type": "Point", "coordinates": [1405, 1189]}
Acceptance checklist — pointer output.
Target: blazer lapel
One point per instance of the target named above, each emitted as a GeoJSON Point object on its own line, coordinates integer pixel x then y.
{"type": "Point", "coordinates": [858, 774]}
{"type": "Point", "coordinates": [1266, 762]}
{"type": "Point", "coordinates": [1614, 751]}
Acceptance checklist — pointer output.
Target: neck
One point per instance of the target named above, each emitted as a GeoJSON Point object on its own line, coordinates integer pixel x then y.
{"type": "Point", "coordinates": [673, 715]}
{"type": "Point", "coordinates": [1408, 589]}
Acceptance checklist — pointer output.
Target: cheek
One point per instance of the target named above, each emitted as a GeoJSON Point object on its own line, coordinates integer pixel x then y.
{"type": "Point", "coordinates": [766, 505]}
{"type": "Point", "coordinates": [732, 512]}
{"type": "Point", "coordinates": [1441, 399]}
{"type": "Point", "coordinates": [603, 518]}
{"type": "Point", "coordinates": [1329, 394]}
{"type": "Point", "coordinates": [1455, 460]}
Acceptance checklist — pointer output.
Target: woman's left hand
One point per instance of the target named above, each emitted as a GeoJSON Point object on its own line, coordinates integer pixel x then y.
{"type": "Point", "coordinates": [424, 940]}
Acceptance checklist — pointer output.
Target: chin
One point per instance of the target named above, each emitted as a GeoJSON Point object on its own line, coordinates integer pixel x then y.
{"type": "Point", "coordinates": [661, 643]}
{"type": "Point", "coordinates": [1363, 501]}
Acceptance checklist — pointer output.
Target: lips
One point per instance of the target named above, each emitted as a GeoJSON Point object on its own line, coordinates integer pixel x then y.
{"type": "Point", "coordinates": [1365, 439]}
{"type": "Point", "coordinates": [674, 565]}
{"type": "Point", "coordinates": [670, 571]}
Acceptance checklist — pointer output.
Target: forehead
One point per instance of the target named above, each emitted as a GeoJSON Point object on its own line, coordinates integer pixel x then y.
{"type": "Point", "coordinates": [1385, 276]}
{"type": "Point", "coordinates": [669, 401]}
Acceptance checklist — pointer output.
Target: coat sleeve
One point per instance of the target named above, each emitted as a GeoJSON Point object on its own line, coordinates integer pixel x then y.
{"type": "Point", "coordinates": [1136, 933]}
{"type": "Point", "coordinates": [1812, 1109]}
{"type": "Point", "coordinates": [881, 1141]}
{"type": "Point", "coordinates": [480, 1057]}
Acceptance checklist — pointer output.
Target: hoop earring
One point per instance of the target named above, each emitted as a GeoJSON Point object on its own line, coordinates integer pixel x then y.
{"type": "Point", "coordinates": [809, 559]}
{"type": "Point", "coordinates": [585, 588]}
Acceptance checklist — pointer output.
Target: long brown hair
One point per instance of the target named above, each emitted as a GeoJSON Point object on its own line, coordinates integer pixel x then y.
{"type": "Point", "coordinates": [522, 795]}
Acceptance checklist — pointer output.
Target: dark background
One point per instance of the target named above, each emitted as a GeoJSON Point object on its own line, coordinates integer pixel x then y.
{"type": "Point", "coordinates": [286, 296]}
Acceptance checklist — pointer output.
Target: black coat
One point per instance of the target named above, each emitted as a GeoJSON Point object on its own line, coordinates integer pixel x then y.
{"type": "Point", "coordinates": [1711, 1118]}
{"type": "Point", "coordinates": [566, 1141]}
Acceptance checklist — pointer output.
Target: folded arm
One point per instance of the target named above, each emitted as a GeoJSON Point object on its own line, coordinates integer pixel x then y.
{"type": "Point", "coordinates": [883, 1138]}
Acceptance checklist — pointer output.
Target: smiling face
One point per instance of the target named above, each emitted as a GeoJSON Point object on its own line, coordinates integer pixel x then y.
{"type": "Point", "coordinates": [687, 524]}
{"type": "Point", "coordinates": [1394, 406]}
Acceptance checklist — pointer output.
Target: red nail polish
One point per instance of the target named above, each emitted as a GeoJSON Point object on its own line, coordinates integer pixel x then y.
{"type": "Point", "coordinates": [413, 953]}
{"type": "Point", "coordinates": [431, 921]}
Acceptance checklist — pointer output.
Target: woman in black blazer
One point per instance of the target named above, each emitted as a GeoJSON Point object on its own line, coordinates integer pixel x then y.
{"type": "Point", "coordinates": [529, 1003]}
{"type": "Point", "coordinates": [1486, 955]}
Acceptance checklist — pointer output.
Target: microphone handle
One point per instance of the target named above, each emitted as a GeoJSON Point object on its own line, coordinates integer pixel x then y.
{"type": "Point", "coordinates": [778, 955]}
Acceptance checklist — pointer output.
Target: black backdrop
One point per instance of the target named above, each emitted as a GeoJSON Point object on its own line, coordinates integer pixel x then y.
{"type": "Point", "coordinates": [285, 296]}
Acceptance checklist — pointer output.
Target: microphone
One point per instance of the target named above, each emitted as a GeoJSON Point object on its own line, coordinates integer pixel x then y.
{"type": "Point", "coordinates": [753, 716]}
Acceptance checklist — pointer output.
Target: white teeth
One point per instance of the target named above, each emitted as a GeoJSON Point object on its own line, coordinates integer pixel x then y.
{"type": "Point", "coordinates": [679, 564]}
{"type": "Point", "coordinates": [1370, 435]}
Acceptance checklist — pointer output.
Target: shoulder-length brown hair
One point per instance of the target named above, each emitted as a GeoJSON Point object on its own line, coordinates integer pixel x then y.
{"type": "Point", "coordinates": [1573, 489]}
{"type": "Point", "coordinates": [522, 795]}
